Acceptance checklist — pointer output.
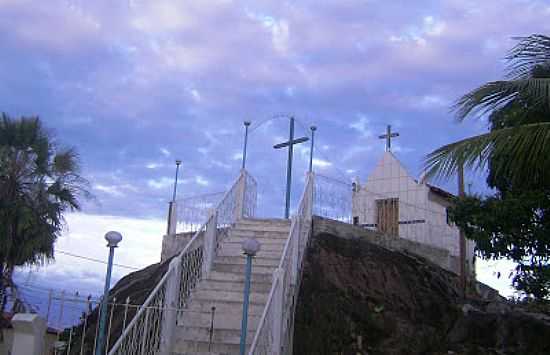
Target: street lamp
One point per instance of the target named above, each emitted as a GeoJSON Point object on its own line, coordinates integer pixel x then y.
{"type": "Point", "coordinates": [250, 249]}
{"type": "Point", "coordinates": [112, 238]}
{"type": "Point", "coordinates": [178, 163]}
{"type": "Point", "coordinates": [246, 125]}
{"type": "Point", "coordinates": [313, 129]}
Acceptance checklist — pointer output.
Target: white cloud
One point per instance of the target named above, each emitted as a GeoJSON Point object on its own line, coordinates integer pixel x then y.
{"type": "Point", "coordinates": [160, 183]}
{"type": "Point", "coordinates": [320, 163]}
{"type": "Point", "coordinates": [361, 125]}
{"type": "Point", "coordinates": [237, 156]}
{"type": "Point", "coordinates": [111, 190]}
{"type": "Point", "coordinates": [154, 165]}
{"type": "Point", "coordinates": [201, 181]}
{"type": "Point", "coordinates": [140, 247]}
{"type": "Point", "coordinates": [165, 152]}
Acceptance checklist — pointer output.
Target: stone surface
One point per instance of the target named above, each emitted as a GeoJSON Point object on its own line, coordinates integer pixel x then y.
{"type": "Point", "coordinates": [395, 303]}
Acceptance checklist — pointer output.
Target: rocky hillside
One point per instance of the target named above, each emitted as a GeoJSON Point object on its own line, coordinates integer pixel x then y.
{"type": "Point", "coordinates": [357, 297]}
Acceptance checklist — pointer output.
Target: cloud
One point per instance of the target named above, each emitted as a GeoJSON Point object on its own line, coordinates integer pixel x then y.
{"type": "Point", "coordinates": [320, 163]}
{"type": "Point", "coordinates": [161, 183]}
{"type": "Point", "coordinates": [361, 125]}
{"type": "Point", "coordinates": [111, 190]}
{"type": "Point", "coordinates": [135, 84]}
{"type": "Point", "coordinates": [165, 152]}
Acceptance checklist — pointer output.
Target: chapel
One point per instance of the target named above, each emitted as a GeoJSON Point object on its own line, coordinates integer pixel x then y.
{"type": "Point", "coordinates": [392, 202]}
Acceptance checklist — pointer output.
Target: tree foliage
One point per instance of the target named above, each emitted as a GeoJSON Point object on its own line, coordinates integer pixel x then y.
{"type": "Point", "coordinates": [525, 138]}
{"type": "Point", "coordinates": [515, 222]}
{"type": "Point", "coordinates": [39, 182]}
{"type": "Point", "coordinates": [515, 227]}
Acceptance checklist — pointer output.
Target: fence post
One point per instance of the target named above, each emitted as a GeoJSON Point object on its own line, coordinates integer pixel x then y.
{"type": "Point", "coordinates": [29, 331]}
{"type": "Point", "coordinates": [296, 235]}
{"type": "Point", "coordinates": [311, 194]}
{"type": "Point", "coordinates": [172, 218]}
{"type": "Point", "coordinates": [241, 191]}
{"type": "Point", "coordinates": [278, 299]}
{"type": "Point", "coordinates": [171, 302]}
{"type": "Point", "coordinates": [210, 243]}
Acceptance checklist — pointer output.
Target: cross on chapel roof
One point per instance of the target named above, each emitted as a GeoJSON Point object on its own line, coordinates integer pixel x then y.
{"type": "Point", "coordinates": [388, 136]}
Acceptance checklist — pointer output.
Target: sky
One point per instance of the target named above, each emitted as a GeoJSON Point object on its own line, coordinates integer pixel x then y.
{"type": "Point", "coordinates": [134, 85]}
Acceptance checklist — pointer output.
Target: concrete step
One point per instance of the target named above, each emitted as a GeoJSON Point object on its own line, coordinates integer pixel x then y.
{"type": "Point", "coordinates": [229, 244]}
{"type": "Point", "coordinates": [239, 277]}
{"type": "Point", "coordinates": [247, 233]}
{"type": "Point", "coordinates": [221, 320]}
{"type": "Point", "coordinates": [239, 269]}
{"type": "Point", "coordinates": [193, 347]}
{"type": "Point", "coordinates": [264, 221]}
{"type": "Point", "coordinates": [224, 336]}
{"type": "Point", "coordinates": [262, 239]}
{"type": "Point", "coordinates": [241, 260]}
{"type": "Point", "coordinates": [224, 307]}
{"type": "Point", "coordinates": [210, 296]}
{"type": "Point", "coordinates": [234, 286]}
{"type": "Point", "coordinates": [262, 228]}
{"type": "Point", "coordinates": [261, 254]}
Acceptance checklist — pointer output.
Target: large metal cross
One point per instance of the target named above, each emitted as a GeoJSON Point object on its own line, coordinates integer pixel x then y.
{"type": "Point", "coordinates": [290, 144]}
{"type": "Point", "coordinates": [388, 136]}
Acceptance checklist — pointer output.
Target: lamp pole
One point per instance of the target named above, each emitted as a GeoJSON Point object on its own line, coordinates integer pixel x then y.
{"type": "Point", "coordinates": [250, 249]}
{"type": "Point", "coordinates": [113, 238]}
{"type": "Point", "coordinates": [178, 163]}
{"type": "Point", "coordinates": [246, 125]}
{"type": "Point", "coordinates": [313, 129]}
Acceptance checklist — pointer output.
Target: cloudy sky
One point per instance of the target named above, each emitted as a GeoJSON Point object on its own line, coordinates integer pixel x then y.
{"type": "Point", "coordinates": [135, 84]}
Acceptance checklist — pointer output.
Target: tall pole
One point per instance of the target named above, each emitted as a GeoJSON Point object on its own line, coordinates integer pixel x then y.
{"type": "Point", "coordinates": [462, 239]}
{"type": "Point", "coordinates": [250, 248]}
{"type": "Point", "coordinates": [289, 168]}
{"type": "Point", "coordinates": [313, 129]}
{"type": "Point", "coordinates": [178, 163]}
{"type": "Point", "coordinates": [246, 125]}
{"type": "Point", "coordinates": [113, 238]}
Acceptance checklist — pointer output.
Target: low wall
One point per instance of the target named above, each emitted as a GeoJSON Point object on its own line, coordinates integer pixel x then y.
{"type": "Point", "coordinates": [437, 256]}
{"type": "Point", "coordinates": [172, 244]}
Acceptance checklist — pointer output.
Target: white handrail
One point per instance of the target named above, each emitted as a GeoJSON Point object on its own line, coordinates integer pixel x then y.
{"type": "Point", "coordinates": [270, 343]}
{"type": "Point", "coordinates": [192, 254]}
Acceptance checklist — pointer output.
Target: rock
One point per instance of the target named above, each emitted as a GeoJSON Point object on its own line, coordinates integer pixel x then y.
{"type": "Point", "coordinates": [347, 281]}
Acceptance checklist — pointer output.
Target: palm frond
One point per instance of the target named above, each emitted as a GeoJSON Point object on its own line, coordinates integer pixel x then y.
{"type": "Point", "coordinates": [494, 95]}
{"type": "Point", "coordinates": [531, 51]}
{"type": "Point", "coordinates": [526, 146]}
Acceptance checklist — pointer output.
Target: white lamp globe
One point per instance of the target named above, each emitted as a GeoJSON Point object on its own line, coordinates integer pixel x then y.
{"type": "Point", "coordinates": [251, 246]}
{"type": "Point", "coordinates": [113, 238]}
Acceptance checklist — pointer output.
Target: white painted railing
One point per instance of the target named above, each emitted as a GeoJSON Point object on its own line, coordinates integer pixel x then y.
{"type": "Point", "coordinates": [151, 331]}
{"type": "Point", "coordinates": [276, 327]}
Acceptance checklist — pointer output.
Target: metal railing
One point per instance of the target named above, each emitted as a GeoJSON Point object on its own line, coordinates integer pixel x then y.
{"type": "Point", "coordinates": [151, 331]}
{"type": "Point", "coordinates": [333, 198]}
{"type": "Point", "coordinates": [276, 327]}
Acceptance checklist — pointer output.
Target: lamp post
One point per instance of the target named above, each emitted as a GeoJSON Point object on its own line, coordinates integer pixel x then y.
{"type": "Point", "coordinates": [250, 248]}
{"type": "Point", "coordinates": [112, 238]}
{"type": "Point", "coordinates": [313, 129]}
{"type": "Point", "coordinates": [246, 125]}
{"type": "Point", "coordinates": [178, 163]}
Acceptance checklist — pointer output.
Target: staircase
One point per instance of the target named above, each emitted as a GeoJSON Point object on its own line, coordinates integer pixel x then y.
{"type": "Point", "coordinates": [223, 289]}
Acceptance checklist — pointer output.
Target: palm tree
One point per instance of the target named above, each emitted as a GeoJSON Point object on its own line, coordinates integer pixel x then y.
{"type": "Point", "coordinates": [38, 183]}
{"type": "Point", "coordinates": [518, 108]}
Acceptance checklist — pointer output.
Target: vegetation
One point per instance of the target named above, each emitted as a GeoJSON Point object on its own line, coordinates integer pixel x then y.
{"type": "Point", "coordinates": [515, 222]}
{"type": "Point", "coordinates": [39, 182]}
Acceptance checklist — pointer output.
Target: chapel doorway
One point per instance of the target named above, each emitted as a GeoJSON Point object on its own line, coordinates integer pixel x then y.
{"type": "Point", "coordinates": [387, 215]}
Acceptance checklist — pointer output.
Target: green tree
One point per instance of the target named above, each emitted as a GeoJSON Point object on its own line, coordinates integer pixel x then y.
{"type": "Point", "coordinates": [39, 182]}
{"type": "Point", "coordinates": [514, 223]}
{"type": "Point", "coordinates": [523, 137]}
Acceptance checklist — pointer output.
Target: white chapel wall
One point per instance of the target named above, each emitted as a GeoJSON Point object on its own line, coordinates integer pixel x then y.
{"type": "Point", "coordinates": [422, 219]}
